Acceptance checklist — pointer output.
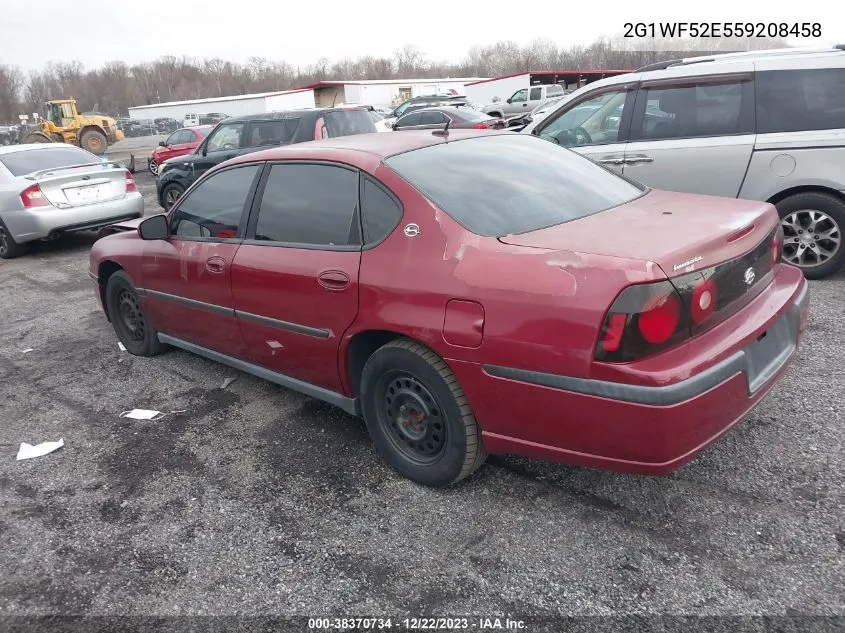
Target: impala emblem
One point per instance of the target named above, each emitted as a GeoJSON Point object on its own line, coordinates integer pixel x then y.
{"type": "Point", "coordinates": [412, 230]}
{"type": "Point", "coordinates": [749, 276]}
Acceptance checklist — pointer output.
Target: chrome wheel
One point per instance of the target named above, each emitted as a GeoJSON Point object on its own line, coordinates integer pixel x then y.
{"type": "Point", "coordinates": [810, 238]}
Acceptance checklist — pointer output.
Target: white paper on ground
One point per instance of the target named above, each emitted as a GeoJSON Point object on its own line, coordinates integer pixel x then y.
{"type": "Point", "coordinates": [27, 350]}
{"type": "Point", "coordinates": [121, 346]}
{"type": "Point", "coordinates": [228, 382]}
{"type": "Point", "coordinates": [141, 414]}
{"type": "Point", "coordinates": [28, 451]}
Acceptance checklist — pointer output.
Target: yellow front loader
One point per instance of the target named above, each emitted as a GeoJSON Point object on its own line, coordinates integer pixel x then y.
{"type": "Point", "coordinates": [63, 124]}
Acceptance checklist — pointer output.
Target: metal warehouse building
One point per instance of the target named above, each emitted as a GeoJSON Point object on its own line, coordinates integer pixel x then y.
{"type": "Point", "coordinates": [485, 90]}
{"type": "Point", "coordinates": [376, 92]}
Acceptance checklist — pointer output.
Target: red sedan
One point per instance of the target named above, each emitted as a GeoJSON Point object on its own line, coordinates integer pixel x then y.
{"type": "Point", "coordinates": [469, 293]}
{"type": "Point", "coordinates": [181, 142]}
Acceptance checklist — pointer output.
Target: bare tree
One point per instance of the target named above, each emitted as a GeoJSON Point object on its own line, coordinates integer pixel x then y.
{"type": "Point", "coordinates": [11, 83]}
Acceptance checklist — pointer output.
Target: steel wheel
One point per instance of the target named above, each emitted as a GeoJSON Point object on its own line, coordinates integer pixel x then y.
{"type": "Point", "coordinates": [411, 416]}
{"type": "Point", "coordinates": [810, 238]}
{"type": "Point", "coordinates": [131, 317]}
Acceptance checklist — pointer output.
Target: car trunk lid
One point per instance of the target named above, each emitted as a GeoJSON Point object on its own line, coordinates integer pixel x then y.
{"type": "Point", "coordinates": [81, 185]}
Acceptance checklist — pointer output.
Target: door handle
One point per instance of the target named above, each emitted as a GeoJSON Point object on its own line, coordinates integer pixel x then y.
{"type": "Point", "coordinates": [215, 265]}
{"type": "Point", "coordinates": [333, 280]}
{"type": "Point", "coordinates": [639, 158]}
{"type": "Point", "coordinates": [612, 161]}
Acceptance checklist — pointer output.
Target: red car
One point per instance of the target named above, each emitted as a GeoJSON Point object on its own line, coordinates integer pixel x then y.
{"type": "Point", "coordinates": [469, 293]}
{"type": "Point", "coordinates": [181, 142]}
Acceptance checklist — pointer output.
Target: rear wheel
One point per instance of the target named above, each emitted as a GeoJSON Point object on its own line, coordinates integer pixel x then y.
{"type": "Point", "coordinates": [94, 141]}
{"type": "Point", "coordinates": [418, 415]}
{"type": "Point", "coordinates": [812, 233]}
{"type": "Point", "coordinates": [9, 248]}
{"type": "Point", "coordinates": [131, 325]}
{"type": "Point", "coordinates": [171, 194]}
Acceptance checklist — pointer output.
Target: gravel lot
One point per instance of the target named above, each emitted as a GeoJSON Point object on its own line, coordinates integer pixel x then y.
{"type": "Point", "coordinates": [254, 500]}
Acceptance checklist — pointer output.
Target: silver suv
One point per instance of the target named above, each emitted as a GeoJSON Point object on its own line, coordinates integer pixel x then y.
{"type": "Point", "coordinates": [763, 125]}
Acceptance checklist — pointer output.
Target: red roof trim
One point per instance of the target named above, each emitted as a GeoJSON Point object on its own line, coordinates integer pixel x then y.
{"type": "Point", "coordinates": [552, 72]}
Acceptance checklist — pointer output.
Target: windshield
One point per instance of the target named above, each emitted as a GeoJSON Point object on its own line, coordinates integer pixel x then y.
{"type": "Point", "coordinates": [26, 162]}
{"type": "Point", "coordinates": [511, 183]}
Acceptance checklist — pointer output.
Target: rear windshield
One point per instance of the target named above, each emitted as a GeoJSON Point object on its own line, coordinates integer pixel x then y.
{"type": "Point", "coordinates": [469, 114]}
{"type": "Point", "coordinates": [513, 183]}
{"type": "Point", "coordinates": [348, 122]}
{"type": "Point", "coordinates": [26, 162]}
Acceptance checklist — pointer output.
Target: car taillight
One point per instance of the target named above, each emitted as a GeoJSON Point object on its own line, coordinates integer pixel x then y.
{"type": "Point", "coordinates": [777, 245]}
{"type": "Point", "coordinates": [32, 196]}
{"type": "Point", "coordinates": [481, 126]}
{"type": "Point", "coordinates": [643, 319]}
{"type": "Point", "coordinates": [130, 183]}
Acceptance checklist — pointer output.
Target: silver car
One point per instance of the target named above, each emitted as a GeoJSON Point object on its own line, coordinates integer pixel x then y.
{"type": "Point", "coordinates": [762, 125]}
{"type": "Point", "coordinates": [50, 189]}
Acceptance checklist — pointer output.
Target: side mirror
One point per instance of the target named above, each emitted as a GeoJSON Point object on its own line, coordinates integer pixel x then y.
{"type": "Point", "coordinates": [154, 228]}
{"type": "Point", "coordinates": [393, 126]}
{"type": "Point", "coordinates": [162, 144]}
{"type": "Point", "coordinates": [509, 100]}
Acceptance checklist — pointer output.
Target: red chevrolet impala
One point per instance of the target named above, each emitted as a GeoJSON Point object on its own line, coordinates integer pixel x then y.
{"type": "Point", "coordinates": [469, 293]}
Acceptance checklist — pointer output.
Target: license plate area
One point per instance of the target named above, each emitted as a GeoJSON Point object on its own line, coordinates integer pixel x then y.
{"type": "Point", "coordinates": [766, 355]}
{"type": "Point", "coordinates": [87, 193]}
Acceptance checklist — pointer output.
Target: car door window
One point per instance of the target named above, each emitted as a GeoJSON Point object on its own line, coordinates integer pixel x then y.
{"type": "Point", "coordinates": [382, 212]}
{"type": "Point", "coordinates": [798, 100]}
{"type": "Point", "coordinates": [175, 138]}
{"type": "Point", "coordinates": [266, 133]}
{"type": "Point", "coordinates": [315, 205]}
{"type": "Point", "coordinates": [225, 137]}
{"type": "Point", "coordinates": [214, 209]}
{"type": "Point", "coordinates": [520, 95]}
{"type": "Point", "coordinates": [593, 121]}
{"type": "Point", "coordinates": [190, 136]}
{"type": "Point", "coordinates": [536, 94]}
{"type": "Point", "coordinates": [409, 120]}
{"type": "Point", "coordinates": [432, 118]}
{"type": "Point", "coordinates": [706, 109]}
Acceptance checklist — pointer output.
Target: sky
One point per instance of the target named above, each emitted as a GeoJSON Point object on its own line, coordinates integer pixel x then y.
{"type": "Point", "coordinates": [302, 32]}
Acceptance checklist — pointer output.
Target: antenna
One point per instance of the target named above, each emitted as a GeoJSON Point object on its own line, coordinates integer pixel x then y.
{"type": "Point", "coordinates": [445, 130]}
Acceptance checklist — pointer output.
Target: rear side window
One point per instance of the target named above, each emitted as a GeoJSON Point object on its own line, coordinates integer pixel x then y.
{"type": "Point", "coordinates": [706, 109]}
{"type": "Point", "coordinates": [511, 183]}
{"type": "Point", "coordinates": [27, 162]}
{"type": "Point", "coordinates": [798, 100]}
{"type": "Point", "coordinates": [536, 94]}
{"type": "Point", "coordinates": [215, 207]}
{"type": "Point", "coordinates": [269, 133]}
{"type": "Point", "coordinates": [554, 90]}
{"type": "Point", "coordinates": [348, 122]}
{"type": "Point", "coordinates": [381, 212]}
{"type": "Point", "coordinates": [310, 204]}
{"type": "Point", "coordinates": [409, 120]}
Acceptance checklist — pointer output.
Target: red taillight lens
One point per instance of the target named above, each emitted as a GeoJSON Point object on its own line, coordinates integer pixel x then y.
{"type": "Point", "coordinates": [643, 320]}
{"type": "Point", "coordinates": [32, 196]}
{"type": "Point", "coordinates": [481, 126]}
{"type": "Point", "coordinates": [130, 183]}
{"type": "Point", "coordinates": [703, 301]}
{"type": "Point", "coordinates": [777, 245]}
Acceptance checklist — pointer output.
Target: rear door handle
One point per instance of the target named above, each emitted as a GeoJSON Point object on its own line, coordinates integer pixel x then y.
{"type": "Point", "coordinates": [333, 280]}
{"type": "Point", "coordinates": [215, 265]}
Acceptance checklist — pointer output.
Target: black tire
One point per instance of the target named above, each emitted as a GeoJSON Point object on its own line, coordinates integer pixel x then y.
{"type": "Point", "coordinates": [152, 165]}
{"type": "Point", "coordinates": [134, 330]}
{"type": "Point", "coordinates": [171, 194]}
{"type": "Point", "coordinates": [36, 137]}
{"type": "Point", "coordinates": [821, 256]}
{"type": "Point", "coordinates": [9, 248]}
{"type": "Point", "coordinates": [94, 141]}
{"type": "Point", "coordinates": [418, 416]}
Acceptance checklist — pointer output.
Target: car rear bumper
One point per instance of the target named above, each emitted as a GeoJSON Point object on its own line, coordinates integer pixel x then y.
{"type": "Point", "coordinates": [27, 225]}
{"type": "Point", "coordinates": [637, 428]}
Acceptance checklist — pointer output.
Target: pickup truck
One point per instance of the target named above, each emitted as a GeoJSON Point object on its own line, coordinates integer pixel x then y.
{"type": "Point", "coordinates": [523, 101]}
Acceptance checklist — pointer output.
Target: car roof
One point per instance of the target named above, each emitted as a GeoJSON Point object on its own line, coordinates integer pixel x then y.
{"type": "Point", "coordinates": [380, 146]}
{"type": "Point", "coordinates": [11, 149]}
{"type": "Point", "coordinates": [286, 114]}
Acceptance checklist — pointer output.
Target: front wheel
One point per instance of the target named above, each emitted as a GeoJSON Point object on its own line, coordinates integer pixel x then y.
{"type": "Point", "coordinates": [418, 416]}
{"type": "Point", "coordinates": [152, 165]}
{"type": "Point", "coordinates": [170, 195]}
{"type": "Point", "coordinates": [812, 233]}
{"type": "Point", "coordinates": [131, 325]}
{"type": "Point", "coordinates": [94, 141]}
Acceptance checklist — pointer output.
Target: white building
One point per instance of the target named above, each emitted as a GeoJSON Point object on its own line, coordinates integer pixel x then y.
{"type": "Point", "coordinates": [232, 106]}
{"type": "Point", "coordinates": [484, 91]}
{"type": "Point", "coordinates": [384, 92]}
{"type": "Point", "coordinates": [374, 92]}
